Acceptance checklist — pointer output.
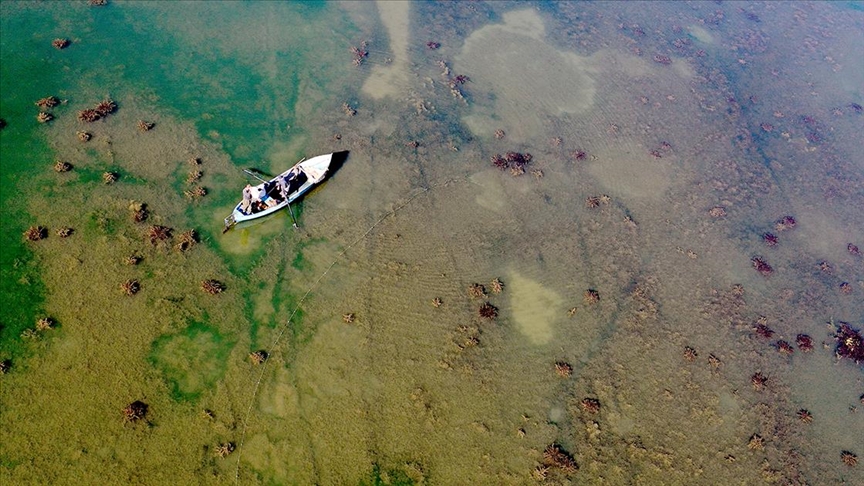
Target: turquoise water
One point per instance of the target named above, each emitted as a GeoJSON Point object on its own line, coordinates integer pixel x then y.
{"type": "Point", "coordinates": [665, 141]}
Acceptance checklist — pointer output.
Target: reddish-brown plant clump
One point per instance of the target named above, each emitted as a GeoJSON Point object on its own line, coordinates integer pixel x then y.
{"type": "Point", "coordinates": [36, 233]}
{"type": "Point", "coordinates": [785, 223]}
{"type": "Point", "coordinates": [212, 287]}
{"type": "Point", "coordinates": [43, 117]}
{"type": "Point", "coordinates": [763, 330]}
{"type": "Point", "coordinates": [591, 296]}
{"type": "Point", "coordinates": [105, 107]}
{"type": "Point", "coordinates": [690, 354]}
{"type": "Point", "coordinates": [848, 458]}
{"type": "Point", "coordinates": [590, 405]}
{"type": "Point", "coordinates": [555, 456]}
{"type": "Point", "coordinates": [62, 166]}
{"type": "Point", "coordinates": [661, 59]}
{"type": "Point", "coordinates": [853, 250]}
{"type": "Point", "coordinates": [135, 411]}
{"type": "Point", "coordinates": [784, 348]}
{"type": "Point", "coordinates": [488, 311]}
{"type": "Point", "coordinates": [61, 43]}
{"type": "Point", "coordinates": [258, 357]}
{"type": "Point", "coordinates": [130, 287]}
{"type": "Point", "coordinates": [805, 416]}
{"type": "Point", "coordinates": [89, 115]}
{"type": "Point", "coordinates": [433, 45]}
{"type": "Point", "coordinates": [563, 369]}
{"type": "Point", "coordinates": [849, 343]}
{"type": "Point", "coordinates": [762, 266]}
{"type": "Point", "coordinates": [770, 239]}
{"type": "Point", "coordinates": [158, 233]}
{"type": "Point", "coordinates": [804, 342]}
{"type": "Point", "coordinates": [48, 102]}
{"type": "Point", "coordinates": [758, 380]}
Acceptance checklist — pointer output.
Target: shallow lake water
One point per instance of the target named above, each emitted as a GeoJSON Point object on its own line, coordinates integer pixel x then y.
{"type": "Point", "coordinates": [571, 243]}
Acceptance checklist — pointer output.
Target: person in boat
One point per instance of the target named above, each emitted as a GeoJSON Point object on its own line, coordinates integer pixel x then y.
{"type": "Point", "coordinates": [246, 205]}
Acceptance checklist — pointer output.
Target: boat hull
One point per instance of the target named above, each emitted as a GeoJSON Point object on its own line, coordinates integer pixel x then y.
{"type": "Point", "coordinates": [315, 171]}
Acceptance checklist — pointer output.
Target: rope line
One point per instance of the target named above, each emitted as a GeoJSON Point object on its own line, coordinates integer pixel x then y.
{"type": "Point", "coordinates": [284, 327]}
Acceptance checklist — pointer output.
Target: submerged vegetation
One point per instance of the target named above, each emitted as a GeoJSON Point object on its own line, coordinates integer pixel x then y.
{"type": "Point", "coordinates": [502, 384]}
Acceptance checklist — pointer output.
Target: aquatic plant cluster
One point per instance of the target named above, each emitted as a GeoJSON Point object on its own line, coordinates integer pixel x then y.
{"type": "Point", "coordinates": [660, 337]}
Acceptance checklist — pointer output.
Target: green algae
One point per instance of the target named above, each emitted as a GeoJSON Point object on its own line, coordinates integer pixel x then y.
{"type": "Point", "coordinates": [192, 361]}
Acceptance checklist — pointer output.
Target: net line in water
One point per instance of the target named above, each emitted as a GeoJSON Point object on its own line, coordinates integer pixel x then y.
{"type": "Point", "coordinates": [274, 345]}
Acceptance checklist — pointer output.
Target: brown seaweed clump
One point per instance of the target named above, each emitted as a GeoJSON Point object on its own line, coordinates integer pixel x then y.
{"type": "Point", "coordinates": [65, 232]}
{"type": "Point", "coordinates": [132, 260]}
{"type": "Point", "coordinates": [48, 102]}
{"type": "Point", "coordinates": [135, 411]}
{"type": "Point", "coordinates": [145, 126]}
{"type": "Point", "coordinates": [84, 136]}
{"type": "Point", "coordinates": [690, 354]}
{"type": "Point", "coordinates": [258, 357]}
{"type": "Point", "coordinates": [591, 296]}
{"type": "Point", "coordinates": [756, 442]}
{"type": "Point", "coordinates": [61, 43]}
{"type": "Point", "coordinates": [785, 348]}
{"type": "Point", "coordinates": [62, 166]}
{"type": "Point", "coordinates": [130, 287]}
{"type": "Point", "coordinates": [758, 380]}
{"type": "Point", "coordinates": [36, 233]}
{"type": "Point", "coordinates": [563, 369]}
{"type": "Point", "coordinates": [43, 117]}
{"type": "Point", "coordinates": [110, 177]}
{"type": "Point", "coordinates": [514, 161]}
{"type": "Point", "coordinates": [761, 266]}
{"type": "Point", "coordinates": [45, 324]}
{"type": "Point", "coordinates": [853, 249]}
{"type": "Point", "coordinates": [437, 302]}
{"type": "Point", "coordinates": [590, 405]}
{"type": "Point", "coordinates": [188, 239]}
{"type": "Point", "coordinates": [785, 223]}
{"type": "Point", "coordinates": [805, 416]}
{"type": "Point", "coordinates": [158, 233]}
{"type": "Point", "coordinates": [195, 192]}
{"type": "Point", "coordinates": [212, 287]}
{"type": "Point", "coordinates": [556, 457]}
{"type": "Point", "coordinates": [105, 107]}
{"type": "Point", "coordinates": [849, 343]}
{"type": "Point", "coordinates": [348, 110]}
{"type": "Point", "coordinates": [348, 318]}
{"type": "Point", "coordinates": [717, 212]}
{"type": "Point", "coordinates": [497, 286]}
{"type": "Point", "coordinates": [488, 311]}
{"type": "Point", "coordinates": [223, 450]}
{"type": "Point", "coordinates": [88, 115]}
{"type": "Point", "coordinates": [477, 291]}
{"type": "Point", "coordinates": [139, 211]}
{"type": "Point", "coordinates": [804, 342]}
{"type": "Point", "coordinates": [848, 458]}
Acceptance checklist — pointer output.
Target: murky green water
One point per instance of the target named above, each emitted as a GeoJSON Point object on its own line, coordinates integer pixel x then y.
{"type": "Point", "coordinates": [666, 140]}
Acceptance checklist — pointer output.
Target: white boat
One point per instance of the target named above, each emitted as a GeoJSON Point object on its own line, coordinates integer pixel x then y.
{"type": "Point", "coordinates": [267, 198]}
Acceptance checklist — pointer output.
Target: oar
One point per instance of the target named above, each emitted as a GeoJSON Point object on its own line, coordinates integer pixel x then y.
{"type": "Point", "coordinates": [249, 171]}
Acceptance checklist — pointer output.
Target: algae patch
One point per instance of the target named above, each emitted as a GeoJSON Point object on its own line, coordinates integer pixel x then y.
{"type": "Point", "coordinates": [191, 361]}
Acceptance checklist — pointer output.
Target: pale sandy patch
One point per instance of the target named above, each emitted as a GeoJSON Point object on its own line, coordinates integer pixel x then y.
{"type": "Point", "coordinates": [388, 80]}
{"type": "Point", "coordinates": [535, 308]}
